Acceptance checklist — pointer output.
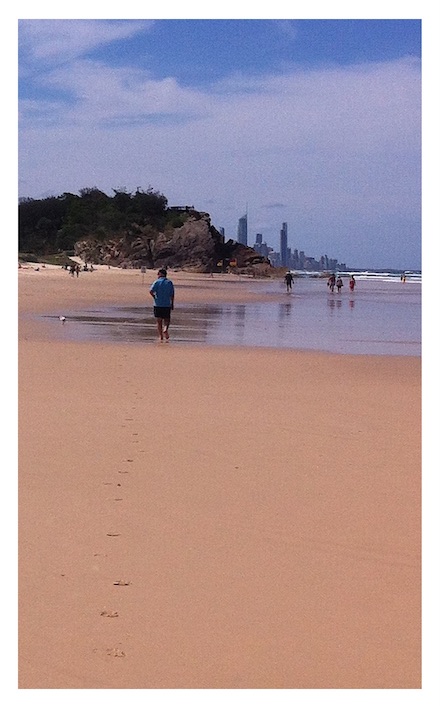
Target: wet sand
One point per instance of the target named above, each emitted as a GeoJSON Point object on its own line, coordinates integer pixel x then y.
{"type": "Point", "coordinates": [210, 517]}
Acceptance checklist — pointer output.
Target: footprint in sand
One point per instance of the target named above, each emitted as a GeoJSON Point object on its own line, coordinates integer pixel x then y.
{"type": "Point", "coordinates": [116, 499]}
{"type": "Point", "coordinates": [121, 583]}
{"type": "Point", "coordinates": [113, 534]}
{"type": "Point", "coordinates": [109, 613]}
{"type": "Point", "coordinates": [122, 471]}
{"type": "Point", "coordinates": [115, 652]}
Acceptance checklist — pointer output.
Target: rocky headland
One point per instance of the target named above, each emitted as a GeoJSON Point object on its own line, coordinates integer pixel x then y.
{"type": "Point", "coordinates": [196, 246]}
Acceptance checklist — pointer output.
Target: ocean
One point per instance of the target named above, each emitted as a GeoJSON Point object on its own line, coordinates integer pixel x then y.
{"type": "Point", "coordinates": [381, 317]}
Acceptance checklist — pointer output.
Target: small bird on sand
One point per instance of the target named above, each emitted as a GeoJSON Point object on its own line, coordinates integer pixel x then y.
{"type": "Point", "coordinates": [62, 319]}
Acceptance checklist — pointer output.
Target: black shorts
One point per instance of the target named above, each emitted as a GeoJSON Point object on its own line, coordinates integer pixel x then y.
{"type": "Point", "coordinates": [162, 312]}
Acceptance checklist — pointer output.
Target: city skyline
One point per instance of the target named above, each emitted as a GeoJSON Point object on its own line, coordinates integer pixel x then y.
{"type": "Point", "coordinates": [290, 258]}
{"type": "Point", "coordinates": [315, 123]}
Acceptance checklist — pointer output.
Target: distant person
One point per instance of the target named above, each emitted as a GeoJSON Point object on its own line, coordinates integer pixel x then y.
{"type": "Point", "coordinates": [331, 283]}
{"type": "Point", "coordinates": [77, 270]}
{"type": "Point", "coordinates": [339, 284]}
{"type": "Point", "coordinates": [163, 293]}
{"type": "Point", "coordinates": [352, 283]}
{"type": "Point", "coordinates": [288, 281]}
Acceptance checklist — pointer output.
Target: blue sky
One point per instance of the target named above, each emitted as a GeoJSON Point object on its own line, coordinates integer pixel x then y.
{"type": "Point", "coordinates": [316, 123]}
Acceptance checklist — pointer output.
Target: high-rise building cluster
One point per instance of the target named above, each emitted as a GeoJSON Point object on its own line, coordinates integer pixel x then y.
{"type": "Point", "coordinates": [291, 259]}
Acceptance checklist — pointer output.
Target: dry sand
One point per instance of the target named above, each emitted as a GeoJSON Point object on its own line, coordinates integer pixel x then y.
{"type": "Point", "coordinates": [265, 536]}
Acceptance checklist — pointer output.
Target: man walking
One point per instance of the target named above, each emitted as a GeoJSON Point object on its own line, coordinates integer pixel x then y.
{"type": "Point", "coordinates": [163, 293]}
{"type": "Point", "coordinates": [288, 281]}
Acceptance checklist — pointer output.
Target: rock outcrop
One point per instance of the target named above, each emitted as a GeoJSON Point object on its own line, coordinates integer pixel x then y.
{"type": "Point", "coordinates": [194, 246]}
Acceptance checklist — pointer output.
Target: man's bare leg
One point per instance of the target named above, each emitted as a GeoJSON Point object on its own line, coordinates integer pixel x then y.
{"type": "Point", "coordinates": [159, 325]}
{"type": "Point", "coordinates": [165, 329]}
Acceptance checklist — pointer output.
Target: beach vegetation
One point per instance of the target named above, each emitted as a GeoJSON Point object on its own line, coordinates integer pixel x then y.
{"type": "Point", "coordinates": [176, 221]}
{"type": "Point", "coordinates": [54, 224]}
{"type": "Point", "coordinates": [58, 259]}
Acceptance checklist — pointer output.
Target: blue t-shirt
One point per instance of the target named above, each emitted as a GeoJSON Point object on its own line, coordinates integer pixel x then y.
{"type": "Point", "coordinates": [163, 290]}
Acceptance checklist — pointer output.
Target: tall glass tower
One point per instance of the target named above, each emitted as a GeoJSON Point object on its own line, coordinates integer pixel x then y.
{"type": "Point", "coordinates": [284, 245]}
{"type": "Point", "coordinates": [242, 230]}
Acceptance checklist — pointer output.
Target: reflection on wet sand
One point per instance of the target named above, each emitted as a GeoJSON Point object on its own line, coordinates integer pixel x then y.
{"type": "Point", "coordinates": [328, 324]}
{"type": "Point", "coordinates": [334, 303]}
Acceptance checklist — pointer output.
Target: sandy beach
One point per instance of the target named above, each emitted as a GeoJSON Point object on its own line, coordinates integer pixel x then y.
{"type": "Point", "coordinates": [196, 517]}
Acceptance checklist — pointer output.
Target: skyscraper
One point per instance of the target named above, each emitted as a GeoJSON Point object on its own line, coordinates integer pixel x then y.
{"type": "Point", "coordinates": [242, 230]}
{"type": "Point", "coordinates": [284, 245]}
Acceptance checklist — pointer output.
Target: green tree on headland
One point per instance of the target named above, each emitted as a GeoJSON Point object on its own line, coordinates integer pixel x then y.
{"type": "Point", "coordinates": [55, 224]}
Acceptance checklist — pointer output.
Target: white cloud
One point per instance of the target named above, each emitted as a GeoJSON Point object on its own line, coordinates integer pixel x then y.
{"type": "Point", "coordinates": [287, 28]}
{"type": "Point", "coordinates": [99, 92]}
{"type": "Point", "coordinates": [60, 41]}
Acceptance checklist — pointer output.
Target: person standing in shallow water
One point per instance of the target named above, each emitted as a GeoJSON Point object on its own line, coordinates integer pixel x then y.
{"type": "Point", "coordinates": [288, 281]}
{"type": "Point", "coordinates": [331, 282]}
{"type": "Point", "coordinates": [163, 293]}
